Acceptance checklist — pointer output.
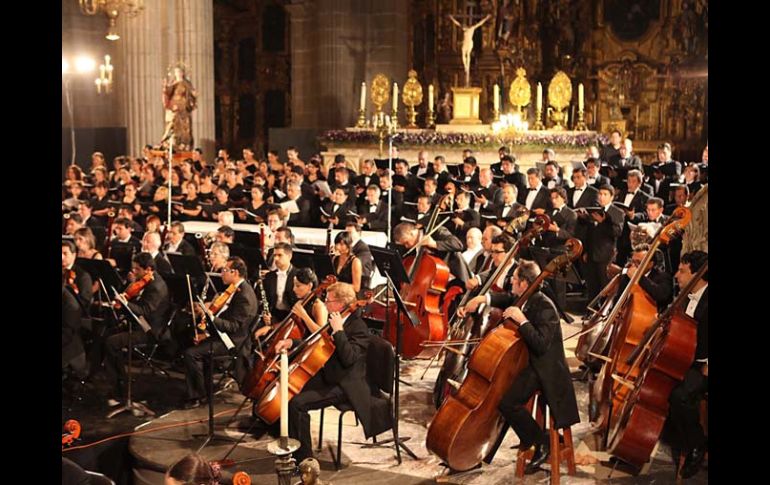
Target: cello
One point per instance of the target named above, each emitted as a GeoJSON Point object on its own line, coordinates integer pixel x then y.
{"type": "Point", "coordinates": [663, 357]}
{"type": "Point", "coordinates": [305, 361]}
{"type": "Point", "coordinates": [630, 317]}
{"type": "Point", "coordinates": [428, 278]}
{"type": "Point", "coordinates": [468, 423]}
{"type": "Point", "coordinates": [290, 327]}
{"type": "Point", "coordinates": [475, 326]}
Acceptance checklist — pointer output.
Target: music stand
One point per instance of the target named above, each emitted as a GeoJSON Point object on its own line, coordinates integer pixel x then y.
{"type": "Point", "coordinates": [214, 333]}
{"type": "Point", "coordinates": [303, 257]}
{"type": "Point", "coordinates": [390, 265]}
{"type": "Point", "coordinates": [188, 265]}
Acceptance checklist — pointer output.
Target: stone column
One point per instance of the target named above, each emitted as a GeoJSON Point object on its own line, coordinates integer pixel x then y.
{"type": "Point", "coordinates": [141, 85]}
{"type": "Point", "coordinates": [194, 29]}
{"type": "Point", "coordinates": [303, 52]}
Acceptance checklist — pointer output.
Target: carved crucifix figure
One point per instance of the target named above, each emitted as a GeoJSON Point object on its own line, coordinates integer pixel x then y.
{"type": "Point", "coordinates": [467, 47]}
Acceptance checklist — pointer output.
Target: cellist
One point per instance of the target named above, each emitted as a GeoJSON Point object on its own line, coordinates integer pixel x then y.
{"type": "Point", "coordinates": [684, 412]}
{"type": "Point", "coordinates": [342, 378]}
{"type": "Point", "coordinates": [538, 324]}
{"type": "Point", "coordinates": [442, 241]}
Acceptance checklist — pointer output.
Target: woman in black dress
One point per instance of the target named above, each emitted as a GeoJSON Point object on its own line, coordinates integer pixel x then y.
{"type": "Point", "coordinates": [347, 267]}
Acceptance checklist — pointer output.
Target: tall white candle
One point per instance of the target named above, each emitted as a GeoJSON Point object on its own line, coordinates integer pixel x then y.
{"type": "Point", "coordinates": [363, 96]}
{"type": "Point", "coordinates": [430, 96]}
{"type": "Point", "coordinates": [539, 96]}
{"type": "Point", "coordinates": [284, 394]}
{"type": "Point", "coordinates": [580, 97]}
{"type": "Point", "coordinates": [395, 96]}
{"type": "Point", "coordinates": [496, 95]}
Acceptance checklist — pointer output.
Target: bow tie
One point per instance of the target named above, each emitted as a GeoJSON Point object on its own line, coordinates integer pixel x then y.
{"type": "Point", "coordinates": [692, 296]}
{"type": "Point", "coordinates": [632, 193]}
{"type": "Point", "coordinates": [579, 189]}
{"type": "Point", "coordinates": [532, 190]}
{"type": "Point", "coordinates": [507, 205]}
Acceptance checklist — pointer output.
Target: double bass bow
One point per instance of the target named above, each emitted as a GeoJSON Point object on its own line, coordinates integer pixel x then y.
{"type": "Point", "coordinates": [468, 423]}
{"type": "Point", "coordinates": [662, 358]}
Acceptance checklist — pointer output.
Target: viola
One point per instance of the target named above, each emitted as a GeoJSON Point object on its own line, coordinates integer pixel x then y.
{"type": "Point", "coordinates": [290, 327]}
{"type": "Point", "coordinates": [468, 423]}
{"type": "Point", "coordinates": [215, 306]}
{"type": "Point", "coordinates": [304, 362]}
{"type": "Point", "coordinates": [134, 289]}
{"type": "Point", "coordinates": [71, 432]}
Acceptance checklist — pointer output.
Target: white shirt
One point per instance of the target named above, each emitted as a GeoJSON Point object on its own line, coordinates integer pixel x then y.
{"type": "Point", "coordinates": [531, 194]}
{"type": "Point", "coordinates": [421, 171]}
{"type": "Point", "coordinates": [372, 208]}
{"type": "Point", "coordinates": [469, 254]}
{"type": "Point", "coordinates": [506, 209]}
{"type": "Point", "coordinates": [280, 286]}
{"type": "Point", "coordinates": [692, 305]}
{"type": "Point", "coordinates": [629, 197]}
{"type": "Point", "coordinates": [577, 194]}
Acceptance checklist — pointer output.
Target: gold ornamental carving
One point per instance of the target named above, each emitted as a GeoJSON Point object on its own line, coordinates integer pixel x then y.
{"type": "Point", "coordinates": [412, 96]}
{"type": "Point", "coordinates": [559, 97]}
{"type": "Point", "coordinates": [520, 94]}
{"type": "Point", "coordinates": [380, 91]}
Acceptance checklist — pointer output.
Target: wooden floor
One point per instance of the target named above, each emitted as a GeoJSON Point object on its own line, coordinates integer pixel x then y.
{"type": "Point", "coordinates": [152, 451]}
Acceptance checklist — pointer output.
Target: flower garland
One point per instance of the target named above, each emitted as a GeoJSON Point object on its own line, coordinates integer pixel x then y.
{"type": "Point", "coordinates": [422, 138]}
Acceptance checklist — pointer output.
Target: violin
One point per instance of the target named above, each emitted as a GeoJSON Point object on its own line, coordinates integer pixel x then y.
{"type": "Point", "coordinates": [215, 306]}
{"type": "Point", "coordinates": [71, 433]}
{"type": "Point", "coordinates": [135, 288]}
{"type": "Point", "coordinates": [304, 362]}
{"type": "Point", "coordinates": [70, 279]}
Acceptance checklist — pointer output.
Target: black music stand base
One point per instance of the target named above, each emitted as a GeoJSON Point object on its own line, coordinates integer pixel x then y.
{"type": "Point", "coordinates": [211, 436]}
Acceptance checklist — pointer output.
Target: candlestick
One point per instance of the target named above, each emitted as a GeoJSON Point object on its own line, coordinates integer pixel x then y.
{"type": "Point", "coordinates": [430, 97]}
{"type": "Point", "coordinates": [496, 96]}
{"type": "Point", "coordinates": [580, 97]}
{"type": "Point", "coordinates": [539, 104]}
{"type": "Point", "coordinates": [284, 394]}
{"type": "Point", "coordinates": [395, 96]}
{"type": "Point", "coordinates": [363, 96]}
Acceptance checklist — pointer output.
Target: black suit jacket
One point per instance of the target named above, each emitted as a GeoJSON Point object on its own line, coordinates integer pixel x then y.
{"type": "Point", "coordinates": [470, 218]}
{"type": "Point", "coordinates": [85, 288]}
{"type": "Point", "coordinates": [71, 343]}
{"type": "Point", "coordinates": [377, 220]}
{"type": "Point", "coordinates": [542, 200]}
{"type": "Point", "coordinates": [301, 218]}
{"type": "Point", "coordinates": [162, 264]}
{"type": "Point", "coordinates": [184, 248]}
{"type": "Point", "coordinates": [638, 203]}
{"type": "Point", "coordinates": [600, 181]}
{"type": "Point", "coordinates": [658, 284]}
{"type": "Point", "coordinates": [702, 317]}
{"type": "Point", "coordinates": [663, 189]}
{"type": "Point", "coordinates": [271, 281]}
{"type": "Point", "coordinates": [153, 304]}
{"type": "Point", "coordinates": [546, 354]}
{"type": "Point", "coordinates": [429, 173]}
{"type": "Point", "coordinates": [566, 220]}
{"type": "Point", "coordinates": [362, 252]}
{"type": "Point", "coordinates": [241, 311]}
{"type": "Point", "coordinates": [601, 238]}
{"type": "Point", "coordinates": [587, 199]}
{"type": "Point", "coordinates": [449, 248]}
{"type": "Point", "coordinates": [341, 213]}
{"type": "Point", "coordinates": [360, 181]}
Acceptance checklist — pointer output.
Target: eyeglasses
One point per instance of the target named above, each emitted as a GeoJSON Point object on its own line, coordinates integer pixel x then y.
{"type": "Point", "coordinates": [497, 251]}
{"type": "Point", "coordinates": [229, 270]}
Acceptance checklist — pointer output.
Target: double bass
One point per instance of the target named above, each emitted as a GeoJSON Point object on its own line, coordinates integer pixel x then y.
{"type": "Point", "coordinates": [305, 361]}
{"type": "Point", "coordinates": [290, 327]}
{"type": "Point", "coordinates": [475, 326]}
{"type": "Point", "coordinates": [663, 357]}
{"type": "Point", "coordinates": [468, 423]}
{"type": "Point", "coordinates": [631, 316]}
{"type": "Point", "coordinates": [428, 276]}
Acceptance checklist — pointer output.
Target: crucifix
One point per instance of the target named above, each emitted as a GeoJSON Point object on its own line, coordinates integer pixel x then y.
{"type": "Point", "coordinates": [467, 46]}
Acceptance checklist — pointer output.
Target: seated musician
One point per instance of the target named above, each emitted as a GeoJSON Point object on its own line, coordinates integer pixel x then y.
{"type": "Point", "coordinates": [76, 277]}
{"type": "Point", "coordinates": [361, 251]}
{"type": "Point", "coordinates": [86, 243]}
{"type": "Point", "coordinates": [443, 242]}
{"type": "Point", "coordinates": [684, 412]}
{"type": "Point", "coordinates": [234, 321]}
{"type": "Point", "coordinates": [656, 282]}
{"type": "Point", "coordinates": [347, 267]}
{"type": "Point", "coordinates": [279, 283]}
{"type": "Point", "coordinates": [151, 244]}
{"type": "Point", "coordinates": [175, 241]}
{"type": "Point", "coordinates": [342, 378]}
{"type": "Point", "coordinates": [538, 323]}
{"type": "Point", "coordinates": [152, 304]}
{"type": "Point", "coordinates": [314, 314]}
{"type": "Point", "coordinates": [123, 230]}
{"type": "Point", "coordinates": [218, 255]}
{"type": "Point", "coordinates": [501, 244]}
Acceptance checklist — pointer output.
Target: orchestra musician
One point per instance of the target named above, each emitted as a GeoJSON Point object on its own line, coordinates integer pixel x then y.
{"type": "Point", "coordinates": [175, 241]}
{"type": "Point", "coordinates": [238, 314]}
{"type": "Point", "coordinates": [445, 245]}
{"type": "Point", "coordinates": [76, 277]}
{"type": "Point", "coordinates": [279, 283]}
{"type": "Point", "coordinates": [347, 267]}
{"type": "Point", "coordinates": [538, 323]}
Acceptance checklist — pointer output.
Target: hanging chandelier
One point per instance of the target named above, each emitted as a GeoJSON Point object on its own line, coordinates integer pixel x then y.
{"type": "Point", "coordinates": [112, 8]}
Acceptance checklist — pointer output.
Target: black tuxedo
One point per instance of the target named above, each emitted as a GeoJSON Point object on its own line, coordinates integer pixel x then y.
{"type": "Point", "coordinates": [600, 241]}
{"type": "Point", "coordinates": [441, 180]}
{"type": "Point", "coordinates": [470, 218]}
{"type": "Point", "coordinates": [516, 178]}
{"type": "Point", "coordinates": [428, 173]}
{"type": "Point", "coordinates": [410, 184]}
{"type": "Point", "coordinates": [341, 213]}
{"type": "Point", "coordinates": [542, 199]}
{"type": "Point", "coordinates": [497, 211]}
{"type": "Point", "coordinates": [162, 265]}
{"type": "Point", "coordinates": [301, 218]}
{"type": "Point", "coordinates": [547, 370]}
{"type": "Point", "coordinates": [362, 252]}
{"type": "Point", "coordinates": [377, 220]}
{"type": "Point", "coordinates": [566, 219]}
{"type": "Point", "coordinates": [85, 288]}
{"type": "Point", "coordinates": [588, 198]}
{"type": "Point", "coordinates": [553, 183]}
{"type": "Point", "coordinates": [184, 248]}
{"type": "Point", "coordinates": [600, 181]}
{"type": "Point", "coordinates": [235, 322]}
{"type": "Point", "coordinates": [662, 190]}
{"type": "Point", "coordinates": [270, 283]}
{"type": "Point", "coordinates": [638, 203]}
{"type": "Point", "coordinates": [360, 181]}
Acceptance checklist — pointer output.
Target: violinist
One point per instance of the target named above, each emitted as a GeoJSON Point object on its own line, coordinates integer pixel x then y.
{"type": "Point", "coordinates": [78, 279]}
{"type": "Point", "coordinates": [684, 412]}
{"type": "Point", "coordinates": [444, 244]}
{"type": "Point", "coordinates": [343, 378]}
{"type": "Point", "coordinates": [314, 314]}
{"type": "Point", "coordinates": [152, 303]}
{"type": "Point", "coordinates": [234, 320]}
{"type": "Point", "coordinates": [538, 324]}
{"type": "Point", "coordinates": [175, 241]}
